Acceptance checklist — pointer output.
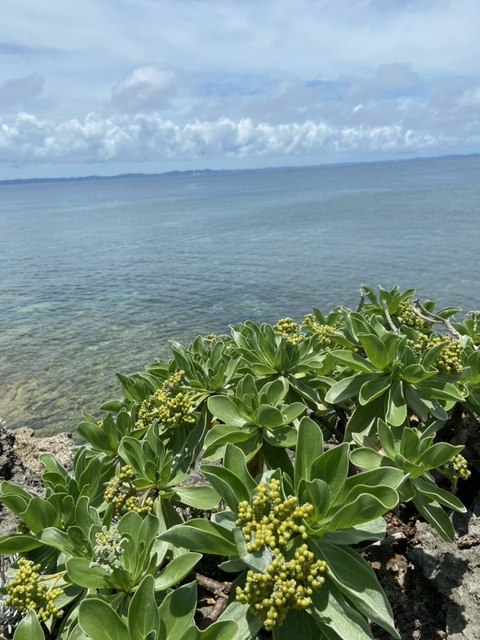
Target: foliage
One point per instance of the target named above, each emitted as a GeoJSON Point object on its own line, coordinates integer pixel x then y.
{"type": "Point", "coordinates": [307, 433]}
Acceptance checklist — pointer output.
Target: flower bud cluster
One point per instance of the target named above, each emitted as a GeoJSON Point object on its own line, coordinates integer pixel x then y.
{"type": "Point", "coordinates": [28, 590]}
{"type": "Point", "coordinates": [407, 316]}
{"type": "Point", "coordinates": [449, 359]}
{"type": "Point", "coordinates": [167, 405]}
{"type": "Point", "coordinates": [108, 549]}
{"type": "Point", "coordinates": [457, 469]}
{"type": "Point", "coordinates": [322, 331]}
{"type": "Point", "coordinates": [289, 330]}
{"type": "Point", "coordinates": [271, 522]}
{"type": "Point", "coordinates": [125, 496]}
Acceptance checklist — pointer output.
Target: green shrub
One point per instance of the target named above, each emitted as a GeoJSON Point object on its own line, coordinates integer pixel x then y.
{"type": "Point", "coordinates": [307, 433]}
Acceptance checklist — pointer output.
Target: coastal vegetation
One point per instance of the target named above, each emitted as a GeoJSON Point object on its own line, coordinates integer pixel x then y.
{"type": "Point", "coordinates": [228, 492]}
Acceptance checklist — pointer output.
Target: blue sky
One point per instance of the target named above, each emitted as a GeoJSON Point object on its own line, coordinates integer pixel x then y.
{"type": "Point", "coordinates": [115, 86]}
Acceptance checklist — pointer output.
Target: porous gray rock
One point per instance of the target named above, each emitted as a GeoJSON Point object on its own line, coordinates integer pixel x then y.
{"type": "Point", "coordinates": [454, 569]}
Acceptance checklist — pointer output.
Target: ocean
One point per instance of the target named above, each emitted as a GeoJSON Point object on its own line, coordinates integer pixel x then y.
{"type": "Point", "coordinates": [97, 276]}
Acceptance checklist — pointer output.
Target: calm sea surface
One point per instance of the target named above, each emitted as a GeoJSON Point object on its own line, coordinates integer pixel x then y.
{"type": "Point", "coordinates": [96, 277]}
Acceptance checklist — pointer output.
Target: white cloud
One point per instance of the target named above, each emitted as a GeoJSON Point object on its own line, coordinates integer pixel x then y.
{"type": "Point", "coordinates": [149, 138]}
{"type": "Point", "coordinates": [244, 79]}
{"type": "Point", "coordinates": [149, 88]}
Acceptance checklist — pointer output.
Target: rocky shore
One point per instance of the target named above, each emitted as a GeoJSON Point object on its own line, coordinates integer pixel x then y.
{"type": "Point", "coordinates": [433, 586]}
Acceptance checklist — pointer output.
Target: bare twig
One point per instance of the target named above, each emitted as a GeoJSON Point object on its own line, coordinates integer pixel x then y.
{"type": "Point", "coordinates": [220, 590]}
{"type": "Point", "coordinates": [421, 312]}
{"type": "Point", "coordinates": [324, 423]}
{"type": "Point", "coordinates": [388, 317]}
{"type": "Point", "coordinates": [361, 302]}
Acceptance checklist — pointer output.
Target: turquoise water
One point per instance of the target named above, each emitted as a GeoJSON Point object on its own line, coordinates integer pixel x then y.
{"type": "Point", "coordinates": [97, 276]}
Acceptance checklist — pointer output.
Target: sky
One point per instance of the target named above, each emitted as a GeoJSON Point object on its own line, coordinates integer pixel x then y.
{"type": "Point", "coordinates": [102, 87]}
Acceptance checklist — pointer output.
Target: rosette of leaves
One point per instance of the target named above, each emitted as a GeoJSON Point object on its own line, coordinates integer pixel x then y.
{"type": "Point", "coordinates": [145, 618]}
{"type": "Point", "coordinates": [160, 470]}
{"type": "Point", "coordinates": [99, 555]}
{"type": "Point", "coordinates": [416, 454]}
{"type": "Point", "coordinates": [339, 510]}
{"type": "Point", "coordinates": [397, 309]}
{"type": "Point", "coordinates": [255, 419]}
{"type": "Point", "coordinates": [383, 377]}
{"type": "Point", "coordinates": [265, 354]}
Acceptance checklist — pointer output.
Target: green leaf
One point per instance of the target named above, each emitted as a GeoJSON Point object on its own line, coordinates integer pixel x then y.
{"type": "Point", "coordinates": [332, 468]}
{"type": "Point", "coordinates": [198, 497]}
{"type": "Point", "coordinates": [367, 458]}
{"type": "Point", "coordinates": [228, 485]}
{"type": "Point", "coordinates": [29, 628]}
{"type": "Point", "coordinates": [225, 409]}
{"type": "Point", "coordinates": [445, 498]}
{"type": "Point", "coordinates": [267, 416]}
{"type": "Point", "coordinates": [234, 460]}
{"type": "Point", "coordinates": [309, 447]}
{"type": "Point", "coordinates": [387, 439]}
{"type": "Point", "coordinates": [372, 530]}
{"type": "Point", "coordinates": [369, 505]}
{"type": "Point", "coordinates": [176, 570]}
{"type": "Point", "coordinates": [346, 388]}
{"type": "Point", "coordinates": [258, 560]}
{"type": "Point", "coordinates": [18, 543]}
{"type": "Point", "coordinates": [99, 621]}
{"type": "Point", "coordinates": [297, 624]}
{"type": "Point", "coordinates": [353, 361]}
{"type": "Point", "coordinates": [439, 454]}
{"type": "Point", "coordinates": [224, 630]}
{"type": "Point", "coordinates": [285, 437]}
{"type": "Point", "coordinates": [316, 492]}
{"type": "Point", "coordinates": [292, 411]}
{"type": "Point", "coordinates": [397, 407]}
{"type": "Point", "coordinates": [357, 581]}
{"type": "Point", "coordinates": [333, 612]}
{"type": "Point", "coordinates": [433, 513]}
{"type": "Point", "coordinates": [222, 434]}
{"type": "Point", "coordinates": [201, 535]}
{"type": "Point", "coordinates": [248, 623]}
{"type": "Point", "coordinates": [415, 373]}
{"type": "Point", "coordinates": [375, 350]}
{"type": "Point", "coordinates": [176, 612]}
{"type": "Point", "coordinates": [143, 614]}
{"type": "Point", "coordinates": [373, 389]}
{"type": "Point", "coordinates": [58, 540]}
{"type": "Point", "coordinates": [81, 573]}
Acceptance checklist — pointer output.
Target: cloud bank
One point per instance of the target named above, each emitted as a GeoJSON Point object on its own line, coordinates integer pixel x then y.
{"type": "Point", "coordinates": [207, 80]}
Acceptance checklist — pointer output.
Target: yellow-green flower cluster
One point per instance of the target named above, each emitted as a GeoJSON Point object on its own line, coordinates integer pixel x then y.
{"type": "Point", "coordinates": [125, 496]}
{"type": "Point", "coordinates": [407, 316]}
{"type": "Point", "coordinates": [289, 330]}
{"type": "Point", "coordinates": [457, 469]}
{"type": "Point", "coordinates": [322, 331]}
{"type": "Point", "coordinates": [28, 590]}
{"type": "Point", "coordinates": [449, 359]}
{"type": "Point", "coordinates": [286, 584]}
{"type": "Point", "coordinates": [108, 549]}
{"type": "Point", "coordinates": [167, 405]}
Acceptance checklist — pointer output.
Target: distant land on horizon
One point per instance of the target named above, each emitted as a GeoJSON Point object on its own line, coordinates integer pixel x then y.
{"type": "Point", "coordinates": [203, 172]}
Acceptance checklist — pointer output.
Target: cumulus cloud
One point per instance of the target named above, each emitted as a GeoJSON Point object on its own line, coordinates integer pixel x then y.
{"type": "Point", "coordinates": [145, 138]}
{"type": "Point", "coordinates": [148, 88]}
